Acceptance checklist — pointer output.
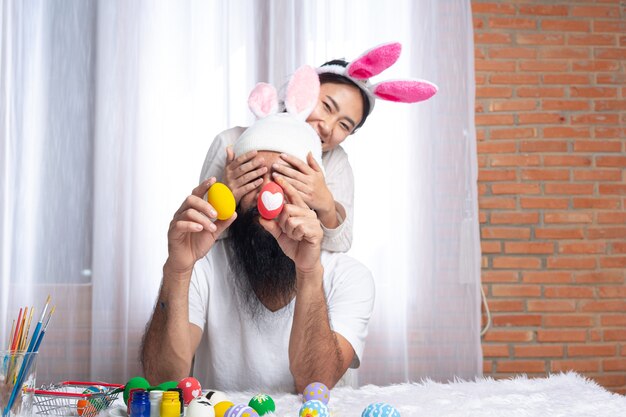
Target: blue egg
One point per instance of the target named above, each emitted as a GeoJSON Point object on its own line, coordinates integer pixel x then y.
{"type": "Point", "coordinates": [380, 410]}
{"type": "Point", "coordinates": [314, 408]}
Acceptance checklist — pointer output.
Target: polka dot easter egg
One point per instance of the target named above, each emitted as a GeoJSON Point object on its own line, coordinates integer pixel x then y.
{"type": "Point", "coordinates": [271, 200]}
{"type": "Point", "coordinates": [380, 410]}
{"type": "Point", "coordinates": [200, 407]}
{"type": "Point", "coordinates": [316, 391]}
{"type": "Point", "coordinates": [222, 200]}
{"type": "Point", "coordinates": [314, 408]}
{"type": "Point", "coordinates": [191, 388]}
{"type": "Point", "coordinates": [262, 404]}
{"type": "Point", "coordinates": [241, 410]}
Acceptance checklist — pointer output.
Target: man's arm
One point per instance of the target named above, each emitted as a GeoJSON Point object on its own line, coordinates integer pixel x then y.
{"type": "Point", "coordinates": [170, 340]}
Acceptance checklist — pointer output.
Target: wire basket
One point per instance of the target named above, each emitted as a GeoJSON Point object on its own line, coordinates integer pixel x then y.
{"type": "Point", "coordinates": [75, 398]}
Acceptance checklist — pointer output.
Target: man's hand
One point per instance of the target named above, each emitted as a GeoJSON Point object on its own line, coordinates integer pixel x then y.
{"type": "Point", "coordinates": [297, 230]}
{"type": "Point", "coordinates": [192, 233]}
{"type": "Point", "coordinates": [244, 173]}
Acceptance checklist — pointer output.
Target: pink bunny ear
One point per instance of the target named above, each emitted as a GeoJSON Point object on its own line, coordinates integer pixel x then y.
{"type": "Point", "coordinates": [303, 92]}
{"type": "Point", "coordinates": [374, 61]}
{"type": "Point", "coordinates": [404, 91]}
{"type": "Point", "coordinates": [263, 100]}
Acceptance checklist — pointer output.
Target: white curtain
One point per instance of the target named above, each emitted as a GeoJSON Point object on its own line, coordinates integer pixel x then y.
{"type": "Point", "coordinates": [108, 108]}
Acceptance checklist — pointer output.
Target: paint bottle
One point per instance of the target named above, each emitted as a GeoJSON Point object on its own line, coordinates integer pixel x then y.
{"type": "Point", "coordinates": [140, 404]}
{"type": "Point", "coordinates": [170, 404]}
{"type": "Point", "coordinates": [155, 403]}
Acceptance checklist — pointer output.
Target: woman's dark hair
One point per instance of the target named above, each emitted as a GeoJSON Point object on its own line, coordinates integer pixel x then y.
{"type": "Point", "coordinates": [329, 77]}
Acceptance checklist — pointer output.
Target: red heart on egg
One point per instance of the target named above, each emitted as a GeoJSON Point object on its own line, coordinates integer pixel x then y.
{"type": "Point", "coordinates": [271, 200]}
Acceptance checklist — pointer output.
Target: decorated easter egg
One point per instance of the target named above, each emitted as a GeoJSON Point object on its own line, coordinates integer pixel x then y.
{"type": "Point", "coordinates": [165, 386]}
{"type": "Point", "coordinates": [215, 397]}
{"type": "Point", "coordinates": [222, 200]}
{"type": "Point", "coordinates": [222, 407]}
{"type": "Point", "coordinates": [89, 404]}
{"type": "Point", "coordinates": [314, 408]}
{"type": "Point", "coordinates": [316, 391]}
{"type": "Point", "coordinates": [241, 410]}
{"type": "Point", "coordinates": [271, 200]}
{"type": "Point", "coordinates": [262, 404]}
{"type": "Point", "coordinates": [380, 410]}
{"type": "Point", "coordinates": [136, 382]}
{"type": "Point", "coordinates": [200, 407]}
{"type": "Point", "coordinates": [191, 388]}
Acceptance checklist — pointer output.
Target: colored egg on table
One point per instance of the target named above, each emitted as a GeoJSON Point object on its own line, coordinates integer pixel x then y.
{"type": "Point", "coordinates": [215, 397]}
{"type": "Point", "coordinates": [136, 382]}
{"type": "Point", "coordinates": [222, 200]}
{"type": "Point", "coordinates": [380, 410]}
{"type": "Point", "coordinates": [314, 408]}
{"type": "Point", "coordinates": [316, 391]}
{"type": "Point", "coordinates": [271, 200]}
{"type": "Point", "coordinates": [241, 410]}
{"type": "Point", "coordinates": [200, 407]}
{"type": "Point", "coordinates": [222, 407]}
{"type": "Point", "coordinates": [191, 388]}
{"type": "Point", "coordinates": [262, 404]}
{"type": "Point", "coordinates": [88, 405]}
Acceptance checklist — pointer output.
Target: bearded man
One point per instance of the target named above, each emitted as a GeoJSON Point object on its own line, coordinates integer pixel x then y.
{"type": "Point", "coordinates": [264, 308]}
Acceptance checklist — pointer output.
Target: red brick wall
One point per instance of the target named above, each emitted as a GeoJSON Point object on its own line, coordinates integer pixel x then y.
{"type": "Point", "coordinates": [551, 125]}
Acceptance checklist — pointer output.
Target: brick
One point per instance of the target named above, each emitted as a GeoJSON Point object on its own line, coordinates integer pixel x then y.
{"type": "Point", "coordinates": [566, 53]}
{"type": "Point", "coordinates": [546, 203]}
{"type": "Point", "coordinates": [505, 233]}
{"type": "Point", "coordinates": [613, 262]}
{"type": "Point", "coordinates": [495, 66]}
{"type": "Point", "coordinates": [593, 92]}
{"type": "Point", "coordinates": [566, 132]}
{"type": "Point", "coordinates": [515, 188]}
{"type": "Point", "coordinates": [516, 290]}
{"type": "Point", "coordinates": [508, 336]}
{"type": "Point", "coordinates": [606, 232]}
{"type": "Point", "coordinates": [617, 189]}
{"type": "Point", "coordinates": [546, 277]}
{"type": "Point", "coordinates": [512, 23]}
{"type": "Point", "coordinates": [517, 320]}
{"type": "Point", "coordinates": [547, 233]}
{"type": "Point", "coordinates": [487, 367]}
{"type": "Point", "coordinates": [595, 11]}
{"type": "Point", "coordinates": [574, 105]}
{"type": "Point", "coordinates": [540, 39]}
{"type": "Point", "coordinates": [551, 306]}
{"type": "Point", "coordinates": [619, 79]}
{"type": "Point", "coordinates": [568, 217]}
{"type": "Point", "coordinates": [518, 366]}
{"type": "Point", "coordinates": [496, 147]}
{"type": "Point", "coordinates": [544, 66]}
{"type": "Point", "coordinates": [603, 306]}
{"type": "Point", "coordinates": [571, 263]}
{"type": "Point", "coordinates": [540, 91]}
{"type": "Point", "coordinates": [498, 276]}
{"type": "Point", "coordinates": [490, 247]}
{"type": "Point", "coordinates": [589, 365]}
{"type": "Point", "coordinates": [516, 218]}
{"type": "Point", "coordinates": [613, 320]}
{"type": "Point", "coordinates": [545, 174]}
{"type": "Point", "coordinates": [591, 350]}
{"type": "Point", "coordinates": [495, 351]}
{"type": "Point", "coordinates": [491, 92]}
{"type": "Point", "coordinates": [493, 8]}
{"type": "Point", "coordinates": [568, 292]}
{"type": "Point", "coordinates": [598, 277]}
{"type": "Point", "coordinates": [515, 133]}
{"type": "Point", "coordinates": [582, 247]}
{"type": "Point", "coordinates": [543, 146]}
{"type": "Point", "coordinates": [568, 320]}
{"type": "Point", "coordinates": [612, 292]}
{"type": "Point", "coordinates": [538, 351]}
{"type": "Point", "coordinates": [528, 247]}
{"type": "Point", "coordinates": [611, 161]}
{"type": "Point", "coordinates": [618, 217]}
{"type": "Point", "coordinates": [514, 160]}
{"type": "Point", "coordinates": [561, 335]}
{"type": "Point", "coordinates": [592, 40]}
{"type": "Point", "coordinates": [478, 53]}
{"type": "Point", "coordinates": [619, 247]}
{"type": "Point", "coordinates": [497, 175]}
{"type": "Point", "coordinates": [609, 365]}
{"type": "Point", "coordinates": [480, 79]}
{"type": "Point", "coordinates": [514, 79]}
{"type": "Point", "coordinates": [597, 146]}
{"type": "Point", "coordinates": [614, 105]}
{"type": "Point", "coordinates": [568, 188]}
{"type": "Point", "coordinates": [596, 203]}
{"type": "Point", "coordinates": [492, 38]}
{"type": "Point", "coordinates": [540, 118]}
{"type": "Point", "coordinates": [602, 118]}
{"type": "Point", "coordinates": [512, 53]}
{"type": "Point", "coordinates": [610, 380]}
{"type": "Point", "coordinates": [566, 79]}
{"type": "Point", "coordinates": [614, 335]}
{"type": "Point", "coordinates": [541, 10]}
{"type": "Point", "coordinates": [494, 119]}
{"type": "Point", "coordinates": [478, 23]}
{"type": "Point", "coordinates": [509, 262]}
{"type": "Point", "coordinates": [597, 175]}
{"type": "Point", "coordinates": [496, 203]}
{"type": "Point", "coordinates": [506, 305]}
{"type": "Point", "coordinates": [609, 26]}
{"type": "Point", "coordinates": [512, 105]}
{"type": "Point", "coordinates": [565, 25]}
{"type": "Point", "coordinates": [593, 66]}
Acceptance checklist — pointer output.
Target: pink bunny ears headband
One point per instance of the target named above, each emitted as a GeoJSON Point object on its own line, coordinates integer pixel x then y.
{"type": "Point", "coordinates": [375, 61]}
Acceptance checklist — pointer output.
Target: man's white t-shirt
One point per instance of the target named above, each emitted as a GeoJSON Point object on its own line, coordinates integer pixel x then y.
{"type": "Point", "coordinates": [238, 353]}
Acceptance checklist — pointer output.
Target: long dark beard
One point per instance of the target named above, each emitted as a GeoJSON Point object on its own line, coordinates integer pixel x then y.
{"type": "Point", "coordinates": [262, 270]}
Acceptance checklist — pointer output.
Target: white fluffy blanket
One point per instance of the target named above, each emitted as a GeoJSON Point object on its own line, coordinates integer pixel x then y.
{"type": "Point", "coordinates": [566, 395]}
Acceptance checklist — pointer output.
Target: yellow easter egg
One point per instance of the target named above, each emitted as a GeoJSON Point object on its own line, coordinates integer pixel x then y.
{"type": "Point", "coordinates": [222, 200]}
{"type": "Point", "coordinates": [221, 408]}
